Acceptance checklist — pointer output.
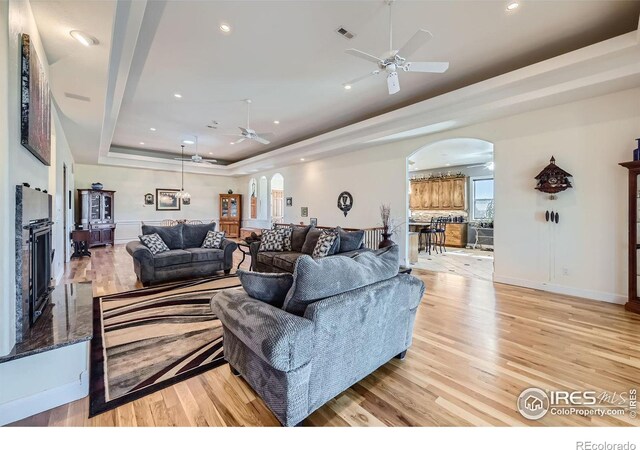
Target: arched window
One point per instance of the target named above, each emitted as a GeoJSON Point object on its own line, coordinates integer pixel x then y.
{"type": "Point", "coordinates": [253, 198]}
{"type": "Point", "coordinates": [277, 198]}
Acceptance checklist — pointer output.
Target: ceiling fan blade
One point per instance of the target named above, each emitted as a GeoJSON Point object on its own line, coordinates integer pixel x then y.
{"type": "Point", "coordinates": [363, 55]}
{"type": "Point", "coordinates": [393, 83]}
{"type": "Point", "coordinates": [266, 136]}
{"type": "Point", "coordinates": [182, 159]}
{"type": "Point", "coordinates": [239, 140]}
{"type": "Point", "coordinates": [355, 80]}
{"type": "Point", "coordinates": [417, 40]}
{"type": "Point", "coordinates": [257, 138]}
{"type": "Point", "coordinates": [210, 161]}
{"type": "Point", "coordinates": [430, 67]}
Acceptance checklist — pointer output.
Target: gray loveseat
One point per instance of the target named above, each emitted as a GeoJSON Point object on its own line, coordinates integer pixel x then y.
{"type": "Point", "coordinates": [303, 240]}
{"type": "Point", "coordinates": [185, 260]}
{"type": "Point", "coordinates": [341, 320]}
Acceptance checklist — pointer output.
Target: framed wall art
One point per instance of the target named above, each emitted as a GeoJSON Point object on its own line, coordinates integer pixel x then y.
{"type": "Point", "coordinates": [167, 200]}
{"type": "Point", "coordinates": [35, 104]}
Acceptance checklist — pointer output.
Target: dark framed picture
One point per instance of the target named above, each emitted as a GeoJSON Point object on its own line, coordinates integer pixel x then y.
{"type": "Point", "coordinates": [149, 199]}
{"type": "Point", "coordinates": [167, 200]}
{"type": "Point", "coordinates": [289, 201]}
{"type": "Point", "coordinates": [313, 221]}
{"type": "Point", "coordinates": [186, 201]}
{"type": "Point", "coordinates": [304, 211]}
{"type": "Point", "coordinates": [35, 105]}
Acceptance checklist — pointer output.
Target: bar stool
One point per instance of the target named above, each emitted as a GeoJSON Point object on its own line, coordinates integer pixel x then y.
{"type": "Point", "coordinates": [427, 236]}
{"type": "Point", "coordinates": [440, 230]}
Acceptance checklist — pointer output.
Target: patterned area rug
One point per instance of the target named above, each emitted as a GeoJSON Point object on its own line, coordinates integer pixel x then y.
{"type": "Point", "coordinates": [148, 339]}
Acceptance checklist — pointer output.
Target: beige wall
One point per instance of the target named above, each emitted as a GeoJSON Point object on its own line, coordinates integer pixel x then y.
{"type": "Point", "coordinates": [131, 184]}
{"type": "Point", "coordinates": [589, 138]}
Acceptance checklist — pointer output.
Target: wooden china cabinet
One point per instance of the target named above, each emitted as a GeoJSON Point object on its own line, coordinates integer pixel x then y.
{"type": "Point", "coordinates": [633, 303]}
{"type": "Point", "coordinates": [231, 214]}
{"type": "Point", "coordinates": [96, 216]}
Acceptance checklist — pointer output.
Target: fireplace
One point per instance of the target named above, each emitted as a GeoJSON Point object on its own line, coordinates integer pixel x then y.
{"type": "Point", "coordinates": [40, 258]}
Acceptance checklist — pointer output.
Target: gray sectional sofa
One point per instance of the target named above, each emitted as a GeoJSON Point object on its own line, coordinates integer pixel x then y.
{"type": "Point", "coordinates": [341, 319]}
{"type": "Point", "coordinates": [303, 240]}
{"type": "Point", "coordinates": [185, 260]}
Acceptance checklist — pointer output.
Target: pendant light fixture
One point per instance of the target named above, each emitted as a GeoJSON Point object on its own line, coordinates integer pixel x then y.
{"type": "Point", "coordinates": [183, 195]}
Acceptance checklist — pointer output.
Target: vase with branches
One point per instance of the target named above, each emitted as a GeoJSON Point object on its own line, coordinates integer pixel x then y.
{"type": "Point", "coordinates": [389, 225]}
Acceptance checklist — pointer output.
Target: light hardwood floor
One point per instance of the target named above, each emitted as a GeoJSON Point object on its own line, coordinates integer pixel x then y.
{"type": "Point", "coordinates": [476, 346]}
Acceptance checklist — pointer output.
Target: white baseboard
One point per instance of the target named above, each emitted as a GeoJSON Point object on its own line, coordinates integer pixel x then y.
{"type": "Point", "coordinates": [564, 290]}
{"type": "Point", "coordinates": [42, 401]}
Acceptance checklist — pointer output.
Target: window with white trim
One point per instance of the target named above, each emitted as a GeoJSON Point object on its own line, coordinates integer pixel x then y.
{"type": "Point", "coordinates": [482, 205]}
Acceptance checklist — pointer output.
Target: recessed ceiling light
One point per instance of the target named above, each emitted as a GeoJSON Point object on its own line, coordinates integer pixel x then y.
{"type": "Point", "coordinates": [232, 143]}
{"type": "Point", "coordinates": [83, 38]}
{"type": "Point", "coordinates": [211, 153]}
{"type": "Point", "coordinates": [447, 164]}
{"type": "Point", "coordinates": [188, 142]}
{"type": "Point", "coordinates": [176, 95]}
{"type": "Point", "coordinates": [152, 129]}
{"type": "Point", "coordinates": [225, 28]}
{"type": "Point", "coordinates": [347, 86]}
{"type": "Point", "coordinates": [301, 159]}
{"type": "Point", "coordinates": [277, 122]}
{"type": "Point", "coordinates": [513, 6]}
{"type": "Point", "coordinates": [141, 143]}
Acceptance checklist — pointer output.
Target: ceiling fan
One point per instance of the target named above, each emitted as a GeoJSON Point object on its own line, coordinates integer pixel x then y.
{"type": "Point", "coordinates": [249, 134]}
{"type": "Point", "coordinates": [196, 158]}
{"type": "Point", "coordinates": [397, 59]}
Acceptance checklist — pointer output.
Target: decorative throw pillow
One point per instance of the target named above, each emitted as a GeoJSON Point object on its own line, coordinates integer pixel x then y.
{"type": "Point", "coordinates": [154, 243]}
{"type": "Point", "coordinates": [272, 241]}
{"type": "Point", "coordinates": [325, 244]}
{"type": "Point", "coordinates": [271, 288]}
{"type": "Point", "coordinates": [298, 235]}
{"type": "Point", "coordinates": [286, 236]}
{"type": "Point", "coordinates": [350, 240]}
{"type": "Point", "coordinates": [213, 239]}
{"type": "Point", "coordinates": [311, 240]}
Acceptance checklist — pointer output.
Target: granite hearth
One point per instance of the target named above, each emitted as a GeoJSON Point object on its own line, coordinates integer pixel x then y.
{"type": "Point", "coordinates": [67, 320]}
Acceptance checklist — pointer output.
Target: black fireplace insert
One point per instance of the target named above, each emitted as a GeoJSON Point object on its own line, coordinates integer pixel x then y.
{"type": "Point", "coordinates": [41, 257]}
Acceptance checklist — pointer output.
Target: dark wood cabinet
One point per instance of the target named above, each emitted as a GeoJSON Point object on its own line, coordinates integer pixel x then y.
{"type": "Point", "coordinates": [96, 215]}
{"type": "Point", "coordinates": [231, 214]}
{"type": "Point", "coordinates": [633, 302]}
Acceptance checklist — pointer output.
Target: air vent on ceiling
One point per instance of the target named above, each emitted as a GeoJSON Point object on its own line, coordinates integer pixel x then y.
{"type": "Point", "coordinates": [346, 33]}
{"type": "Point", "coordinates": [82, 98]}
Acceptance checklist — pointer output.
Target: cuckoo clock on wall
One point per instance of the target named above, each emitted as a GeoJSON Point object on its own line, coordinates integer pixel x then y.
{"type": "Point", "coordinates": [553, 179]}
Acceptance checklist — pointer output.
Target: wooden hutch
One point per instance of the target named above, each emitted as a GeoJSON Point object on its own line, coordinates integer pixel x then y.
{"type": "Point", "coordinates": [633, 303]}
{"type": "Point", "coordinates": [96, 215]}
{"type": "Point", "coordinates": [231, 214]}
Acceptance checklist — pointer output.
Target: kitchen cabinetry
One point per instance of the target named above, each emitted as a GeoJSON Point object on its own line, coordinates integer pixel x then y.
{"type": "Point", "coordinates": [456, 235]}
{"type": "Point", "coordinates": [231, 214]}
{"type": "Point", "coordinates": [445, 193]}
{"type": "Point", "coordinates": [96, 216]}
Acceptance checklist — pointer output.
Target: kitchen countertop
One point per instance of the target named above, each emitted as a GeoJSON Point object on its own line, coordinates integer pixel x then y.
{"type": "Point", "coordinates": [429, 223]}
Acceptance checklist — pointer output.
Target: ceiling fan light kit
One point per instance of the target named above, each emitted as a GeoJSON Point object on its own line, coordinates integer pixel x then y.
{"type": "Point", "coordinates": [397, 59]}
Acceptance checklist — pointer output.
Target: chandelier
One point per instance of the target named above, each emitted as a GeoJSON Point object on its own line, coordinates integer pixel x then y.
{"type": "Point", "coordinates": [183, 195]}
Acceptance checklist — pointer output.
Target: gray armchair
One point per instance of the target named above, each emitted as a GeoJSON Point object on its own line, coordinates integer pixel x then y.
{"type": "Point", "coordinates": [297, 363]}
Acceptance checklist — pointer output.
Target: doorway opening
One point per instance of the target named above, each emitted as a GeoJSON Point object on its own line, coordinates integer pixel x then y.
{"type": "Point", "coordinates": [277, 199]}
{"type": "Point", "coordinates": [451, 207]}
{"type": "Point", "coordinates": [65, 214]}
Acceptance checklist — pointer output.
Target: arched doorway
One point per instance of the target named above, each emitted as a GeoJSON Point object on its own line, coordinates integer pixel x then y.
{"type": "Point", "coordinates": [451, 207]}
{"type": "Point", "coordinates": [277, 198]}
